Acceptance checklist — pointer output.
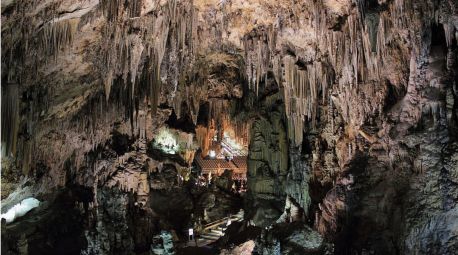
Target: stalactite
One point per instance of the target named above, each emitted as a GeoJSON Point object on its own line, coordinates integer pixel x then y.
{"type": "Point", "coordinates": [173, 23]}
{"type": "Point", "coordinates": [355, 55]}
{"type": "Point", "coordinates": [108, 82]}
{"type": "Point", "coordinates": [135, 8]}
{"type": "Point", "coordinates": [237, 129]}
{"type": "Point", "coordinates": [57, 35]}
{"type": "Point", "coordinates": [301, 88]}
{"type": "Point", "coordinates": [258, 47]}
{"type": "Point", "coordinates": [155, 85]}
{"type": "Point", "coordinates": [204, 136]}
{"type": "Point", "coordinates": [195, 107]}
{"type": "Point", "coordinates": [111, 8]}
{"type": "Point", "coordinates": [449, 30]}
{"type": "Point", "coordinates": [137, 46]}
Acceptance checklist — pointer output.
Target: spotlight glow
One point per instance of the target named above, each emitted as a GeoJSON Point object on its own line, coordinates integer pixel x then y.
{"type": "Point", "coordinates": [167, 142]}
{"type": "Point", "coordinates": [20, 209]}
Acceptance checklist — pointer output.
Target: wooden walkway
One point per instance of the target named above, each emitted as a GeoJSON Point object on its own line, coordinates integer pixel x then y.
{"type": "Point", "coordinates": [215, 230]}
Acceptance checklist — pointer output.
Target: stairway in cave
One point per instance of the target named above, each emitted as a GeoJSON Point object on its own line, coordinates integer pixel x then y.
{"type": "Point", "coordinates": [215, 230]}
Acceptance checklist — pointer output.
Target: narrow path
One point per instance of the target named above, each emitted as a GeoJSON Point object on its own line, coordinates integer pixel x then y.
{"type": "Point", "coordinates": [215, 230]}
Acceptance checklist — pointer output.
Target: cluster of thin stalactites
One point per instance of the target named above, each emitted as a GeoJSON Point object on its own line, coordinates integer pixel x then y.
{"type": "Point", "coordinates": [355, 55]}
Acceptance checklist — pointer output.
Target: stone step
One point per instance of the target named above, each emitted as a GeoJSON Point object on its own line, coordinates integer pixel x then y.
{"type": "Point", "coordinates": [204, 242]}
{"type": "Point", "coordinates": [217, 232]}
{"type": "Point", "coordinates": [209, 236]}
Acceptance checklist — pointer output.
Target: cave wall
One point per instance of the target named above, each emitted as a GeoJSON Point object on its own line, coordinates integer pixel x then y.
{"type": "Point", "coordinates": [366, 106]}
{"type": "Point", "coordinates": [357, 104]}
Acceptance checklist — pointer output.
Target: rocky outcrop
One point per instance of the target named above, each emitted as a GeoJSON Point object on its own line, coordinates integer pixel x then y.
{"type": "Point", "coordinates": [243, 249]}
{"type": "Point", "coordinates": [267, 165]}
{"type": "Point", "coordinates": [293, 238]}
{"type": "Point", "coordinates": [111, 234]}
{"type": "Point", "coordinates": [163, 244]}
{"type": "Point", "coordinates": [297, 182]}
{"type": "Point", "coordinates": [56, 226]}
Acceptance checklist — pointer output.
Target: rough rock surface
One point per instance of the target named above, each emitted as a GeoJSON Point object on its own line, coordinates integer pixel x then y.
{"type": "Point", "coordinates": [292, 238]}
{"type": "Point", "coordinates": [352, 106]}
{"type": "Point", "coordinates": [267, 165]}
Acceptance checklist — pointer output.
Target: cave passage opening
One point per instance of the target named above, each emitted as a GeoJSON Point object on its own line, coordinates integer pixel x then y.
{"type": "Point", "coordinates": [223, 150]}
{"type": "Point", "coordinates": [206, 156]}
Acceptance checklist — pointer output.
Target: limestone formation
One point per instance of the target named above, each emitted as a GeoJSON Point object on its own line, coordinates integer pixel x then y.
{"type": "Point", "coordinates": [348, 111]}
